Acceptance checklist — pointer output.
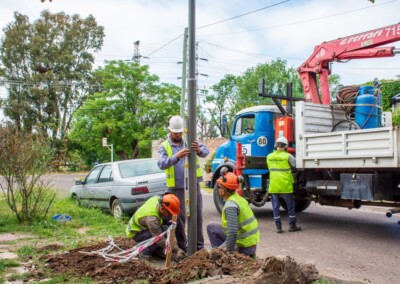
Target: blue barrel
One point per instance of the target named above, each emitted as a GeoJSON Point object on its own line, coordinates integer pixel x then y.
{"type": "Point", "coordinates": [366, 111]}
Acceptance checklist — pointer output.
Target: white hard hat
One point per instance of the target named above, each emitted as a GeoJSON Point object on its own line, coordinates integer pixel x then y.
{"type": "Point", "coordinates": [282, 140]}
{"type": "Point", "coordinates": [176, 124]}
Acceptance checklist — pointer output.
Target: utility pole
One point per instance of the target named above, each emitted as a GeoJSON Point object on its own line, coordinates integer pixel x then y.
{"type": "Point", "coordinates": [136, 54]}
{"type": "Point", "coordinates": [184, 70]}
{"type": "Point", "coordinates": [192, 220]}
{"type": "Point", "coordinates": [199, 74]}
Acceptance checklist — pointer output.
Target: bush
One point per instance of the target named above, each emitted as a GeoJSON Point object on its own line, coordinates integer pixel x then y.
{"type": "Point", "coordinates": [25, 158]}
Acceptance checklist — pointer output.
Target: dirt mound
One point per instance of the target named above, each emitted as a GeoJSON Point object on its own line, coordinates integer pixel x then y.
{"type": "Point", "coordinates": [203, 264]}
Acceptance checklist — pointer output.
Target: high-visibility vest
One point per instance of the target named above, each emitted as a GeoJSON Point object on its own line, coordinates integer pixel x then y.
{"type": "Point", "coordinates": [170, 171]}
{"type": "Point", "coordinates": [248, 233]}
{"type": "Point", "coordinates": [149, 208]}
{"type": "Point", "coordinates": [280, 173]}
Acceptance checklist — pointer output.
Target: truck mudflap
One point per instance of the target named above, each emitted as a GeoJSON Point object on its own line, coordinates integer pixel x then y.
{"type": "Point", "coordinates": [318, 147]}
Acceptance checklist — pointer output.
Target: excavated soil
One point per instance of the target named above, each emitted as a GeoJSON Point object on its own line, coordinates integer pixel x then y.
{"type": "Point", "coordinates": [217, 266]}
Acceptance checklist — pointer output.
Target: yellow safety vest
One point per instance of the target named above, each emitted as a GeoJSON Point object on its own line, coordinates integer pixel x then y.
{"type": "Point", "coordinates": [248, 233]}
{"type": "Point", "coordinates": [170, 171]}
{"type": "Point", "coordinates": [280, 173]}
{"type": "Point", "coordinates": [149, 208]}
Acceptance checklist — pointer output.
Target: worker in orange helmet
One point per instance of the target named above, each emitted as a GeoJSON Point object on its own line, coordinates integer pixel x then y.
{"type": "Point", "coordinates": [147, 222]}
{"type": "Point", "coordinates": [239, 228]}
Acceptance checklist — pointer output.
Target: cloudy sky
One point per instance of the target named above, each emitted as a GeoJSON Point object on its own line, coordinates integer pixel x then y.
{"type": "Point", "coordinates": [232, 35]}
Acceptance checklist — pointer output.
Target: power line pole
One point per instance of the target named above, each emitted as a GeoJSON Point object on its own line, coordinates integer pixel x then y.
{"type": "Point", "coordinates": [184, 70]}
{"type": "Point", "coordinates": [136, 53]}
{"type": "Point", "coordinates": [198, 73]}
{"type": "Point", "coordinates": [192, 220]}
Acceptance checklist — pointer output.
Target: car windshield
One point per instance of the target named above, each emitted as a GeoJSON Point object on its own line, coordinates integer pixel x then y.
{"type": "Point", "coordinates": [139, 168]}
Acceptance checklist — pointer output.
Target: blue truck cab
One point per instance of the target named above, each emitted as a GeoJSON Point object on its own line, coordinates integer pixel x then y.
{"type": "Point", "coordinates": [254, 128]}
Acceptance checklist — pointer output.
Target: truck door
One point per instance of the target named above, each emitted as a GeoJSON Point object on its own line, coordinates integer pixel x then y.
{"type": "Point", "coordinates": [255, 132]}
{"type": "Point", "coordinates": [244, 132]}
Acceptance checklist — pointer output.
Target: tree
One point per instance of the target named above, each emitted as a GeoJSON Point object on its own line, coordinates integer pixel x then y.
{"type": "Point", "coordinates": [130, 112]}
{"type": "Point", "coordinates": [221, 100]}
{"type": "Point", "coordinates": [24, 159]}
{"type": "Point", "coordinates": [47, 69]}
{"type": "Point", "coordinates": [276, 75]}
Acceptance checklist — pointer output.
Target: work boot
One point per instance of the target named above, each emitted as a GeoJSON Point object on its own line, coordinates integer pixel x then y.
{"type": "Point", "coordinates": [144, 256]}
{"type": "Point", "coordinates": [278, 230]}
{"type": "Point", "coordinates": [294, 228]}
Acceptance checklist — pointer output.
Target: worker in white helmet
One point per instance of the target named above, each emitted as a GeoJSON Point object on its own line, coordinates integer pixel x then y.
{"type": "Point", "coordinates": [171, 156]}
{"type": "Point", "coordinates": [280, 164]}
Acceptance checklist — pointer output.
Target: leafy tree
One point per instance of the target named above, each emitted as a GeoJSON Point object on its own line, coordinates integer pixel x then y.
{"type": "Point", "coordinates": [130, 112]}
{"type": "Point", "coordinates": [24, 159]}
{"type": "Point", "coordinates": [47, 68]}
{"type": "Point", "coordinates": [276, 75]}
{"type": "Point", "coordinates": [222, 100]}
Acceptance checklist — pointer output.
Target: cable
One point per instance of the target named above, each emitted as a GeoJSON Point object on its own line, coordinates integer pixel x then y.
{"type": "Point", "coordinates": [168, 43]}
{"type": "Point", "coordinates": [305, 21]}
{"type": "Point", "coordinates": [245, 14]}
{"type": "Point", "coordinates": [212, 24]}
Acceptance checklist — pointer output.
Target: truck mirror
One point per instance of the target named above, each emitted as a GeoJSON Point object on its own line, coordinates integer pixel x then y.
{"type": "Point", "coordinates": [224, 124]}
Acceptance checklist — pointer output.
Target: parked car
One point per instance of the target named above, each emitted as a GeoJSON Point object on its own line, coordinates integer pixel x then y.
{"type": "Point", "coordinates": [121, 186]}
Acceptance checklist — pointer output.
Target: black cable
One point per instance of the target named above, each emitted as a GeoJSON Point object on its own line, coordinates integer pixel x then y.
{"type": "Point", "coordinates": [245, 14]}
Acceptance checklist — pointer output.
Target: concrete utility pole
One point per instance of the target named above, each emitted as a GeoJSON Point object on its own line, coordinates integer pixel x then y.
{"type": "Point", "coordinates": [192, 221]}
{"type": "Point", "coordinates": [184, 69]}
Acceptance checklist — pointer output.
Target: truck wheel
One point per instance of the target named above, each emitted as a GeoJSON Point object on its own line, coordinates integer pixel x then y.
{"type": "Point", "coordinates": [218, 201]}
{"type": "Point", "coordinates": [300, 205]}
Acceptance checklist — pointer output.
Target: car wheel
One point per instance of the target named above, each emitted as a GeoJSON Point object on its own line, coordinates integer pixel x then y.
{"type": "Point", "coordinates": [116, 209]}
{"type": "Point", "coordinates": [75, 198]}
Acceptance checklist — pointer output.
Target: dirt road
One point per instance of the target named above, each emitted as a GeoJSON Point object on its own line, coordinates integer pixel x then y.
{"type": "Point", "coordinates": [354, 245]}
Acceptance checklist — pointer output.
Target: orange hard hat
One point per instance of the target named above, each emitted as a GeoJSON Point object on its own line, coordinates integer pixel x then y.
{"type": "Point", "coordinates": [171, 203]}
{"type": "Point", "coordinates": [229, 180]}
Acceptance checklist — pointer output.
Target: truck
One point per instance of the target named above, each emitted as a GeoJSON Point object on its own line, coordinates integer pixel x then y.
{"type": "Point", "coordinates": [343, 158]}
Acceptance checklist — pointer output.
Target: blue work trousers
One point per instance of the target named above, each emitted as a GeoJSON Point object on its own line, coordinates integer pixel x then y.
{"type": "Point", "coordinates": [180, 226]}
{"type": "Point", "coordinates": [217, 238]}
{"type": "Point", "coordinates": [288, 199]}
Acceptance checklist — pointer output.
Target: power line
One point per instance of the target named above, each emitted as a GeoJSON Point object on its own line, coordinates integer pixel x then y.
{"type": "Point", "coordinates": [212, 24]}
{"type": "Point", "coordinates": [305, 21]}
{"type": "Point", "coordinates": [245, 14]}
{"type": "Point", "coordinates": [168, 43]}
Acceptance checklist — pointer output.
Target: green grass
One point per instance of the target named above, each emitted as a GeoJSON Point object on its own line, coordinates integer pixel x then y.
{"type": "Point", "coordinates": [87, 226]}
{"type": "Point", "coordinates": [92, 220]}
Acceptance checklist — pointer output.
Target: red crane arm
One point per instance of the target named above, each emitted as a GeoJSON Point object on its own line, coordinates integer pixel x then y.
{"type": "Point", "coordinates": [362, 45]}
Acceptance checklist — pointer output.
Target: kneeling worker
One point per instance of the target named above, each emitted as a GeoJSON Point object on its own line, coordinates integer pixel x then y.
{"type": "Point", "coordinates": [147, 223]}
{"type": "Point", "coordinates": [239, 229]}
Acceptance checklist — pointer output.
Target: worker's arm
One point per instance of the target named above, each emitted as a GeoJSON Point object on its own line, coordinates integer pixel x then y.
{"type": "Point", "coordinates": [153, 224]}
{"type": "Point", "coordinates": [231, 213]}
{"type": "Point", "coordinates": [164, 162]}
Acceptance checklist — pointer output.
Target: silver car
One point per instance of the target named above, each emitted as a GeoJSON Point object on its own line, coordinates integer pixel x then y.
{"type": "Point", "coordinates": [120, 186]}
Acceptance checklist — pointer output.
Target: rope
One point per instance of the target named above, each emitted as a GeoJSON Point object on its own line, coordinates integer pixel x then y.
{"type": "Point", "coordinates": [123, 256]}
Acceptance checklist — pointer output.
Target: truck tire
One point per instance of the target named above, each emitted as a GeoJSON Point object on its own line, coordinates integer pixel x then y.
{"type": "Point", "coordinates": [300, 204]}
{"type": "Point", "coordinates": [219, 202]}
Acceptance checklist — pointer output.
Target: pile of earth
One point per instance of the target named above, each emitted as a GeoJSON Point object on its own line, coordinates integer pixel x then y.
{"type": "Point", "coordinates": [217, 265]}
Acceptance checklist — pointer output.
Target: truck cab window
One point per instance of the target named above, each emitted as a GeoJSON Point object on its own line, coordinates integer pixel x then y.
{"type": "Point", "coordinates": [244, 125]}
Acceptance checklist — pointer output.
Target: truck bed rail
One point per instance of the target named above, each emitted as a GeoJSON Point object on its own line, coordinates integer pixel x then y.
{"type": "Point", "coordinates": [317, 147]}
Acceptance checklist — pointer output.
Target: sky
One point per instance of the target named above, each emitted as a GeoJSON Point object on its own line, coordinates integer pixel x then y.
{"type": "Point", "coordinates": [232, 35]}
